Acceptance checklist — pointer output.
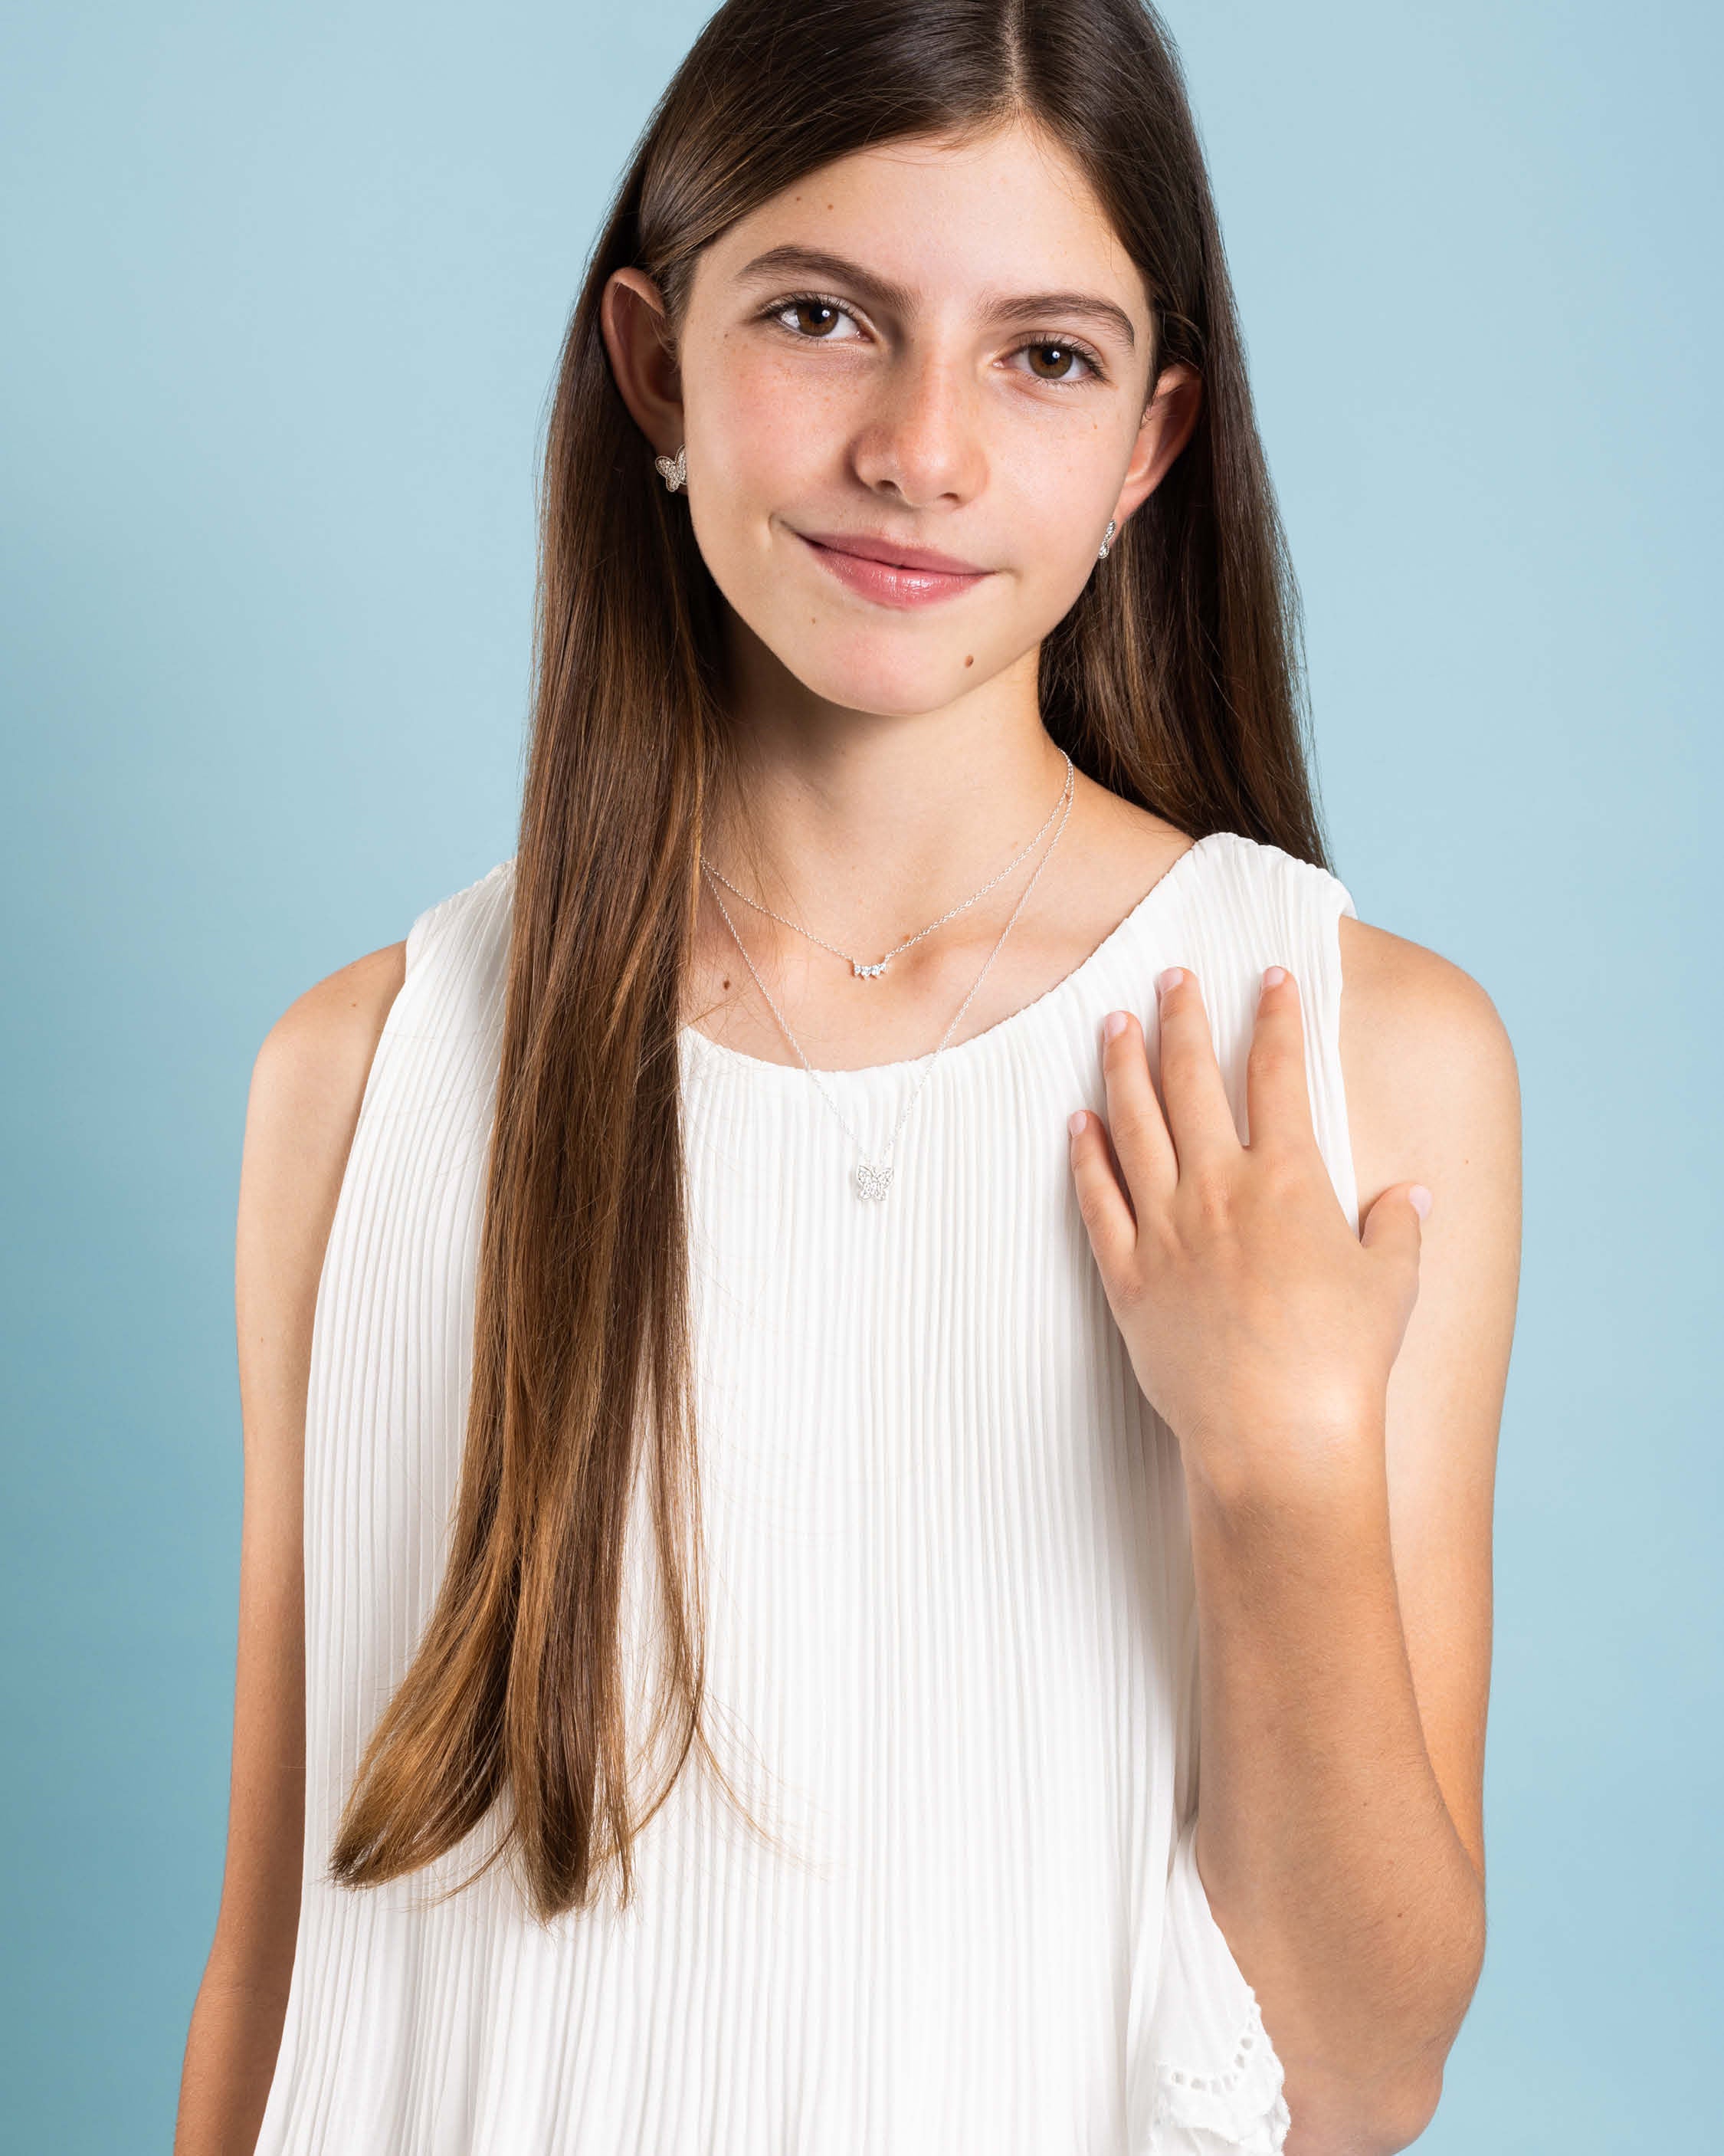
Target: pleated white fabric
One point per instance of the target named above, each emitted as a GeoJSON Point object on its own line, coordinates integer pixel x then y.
{"type": "Point", "coordinates": [951, 1616]}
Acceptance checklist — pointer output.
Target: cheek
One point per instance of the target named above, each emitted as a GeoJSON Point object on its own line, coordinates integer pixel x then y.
{"type": "Point", "coordinates": [760, 435]}
{"type": "Point", "coordinates": [1060, 483]}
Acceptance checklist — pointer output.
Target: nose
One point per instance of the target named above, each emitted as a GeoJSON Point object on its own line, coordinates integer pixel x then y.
{"type": "Point", "coordinates": [921, 439]}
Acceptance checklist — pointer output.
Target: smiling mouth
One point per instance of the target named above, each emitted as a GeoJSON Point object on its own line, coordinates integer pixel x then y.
{"type": "Point", "coordinates": [892, 583]}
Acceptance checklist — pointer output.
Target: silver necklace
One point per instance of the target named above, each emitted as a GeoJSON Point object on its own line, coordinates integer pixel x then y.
{"type": "Point", "coordinates": [873, 1178]}
{"type": "Point", "coordinates": [872, 971]}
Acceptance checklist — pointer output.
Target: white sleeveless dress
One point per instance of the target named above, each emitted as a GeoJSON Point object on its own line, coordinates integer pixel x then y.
{"type": "Point", "coordinates": [950, 1612]}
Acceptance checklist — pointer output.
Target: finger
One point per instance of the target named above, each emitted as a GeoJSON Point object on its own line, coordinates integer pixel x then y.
{"type": "Point", "coordinates": [1199, 1113]}
{"type": "Point", "coordinates": [1277, 1099]}
{"type": "Point", "coordinates": [1135, 1120]}
{"type": "Point", "coordinates": [1107, 1216]}
{"type": "Point", "coordinates": [1396, 1222]}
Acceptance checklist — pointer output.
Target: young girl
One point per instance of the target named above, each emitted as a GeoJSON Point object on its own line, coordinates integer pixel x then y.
{"type": "Point", "coordinates": [904, 1270]}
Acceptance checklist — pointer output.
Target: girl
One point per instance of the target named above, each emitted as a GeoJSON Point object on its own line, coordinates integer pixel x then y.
{"type": "Point", "coordinates": [825, 1333]}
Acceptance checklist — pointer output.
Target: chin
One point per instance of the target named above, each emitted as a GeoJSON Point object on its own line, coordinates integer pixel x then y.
{"type": "Point", "coordinates": [864, 672]}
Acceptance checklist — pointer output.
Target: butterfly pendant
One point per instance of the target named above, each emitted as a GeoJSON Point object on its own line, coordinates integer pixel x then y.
{"type": "Point", "coordinates": [873, 1181]}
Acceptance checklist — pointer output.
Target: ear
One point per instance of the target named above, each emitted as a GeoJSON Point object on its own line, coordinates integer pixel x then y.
{"type": "Point", "coordinates": [1168, 419]}
{"type": "Point", "coordinates": [643, 355]}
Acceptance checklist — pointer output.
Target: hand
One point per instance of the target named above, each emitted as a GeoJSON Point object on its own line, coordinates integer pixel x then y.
{"type": "Point", "coordinates": [1260, 1326]}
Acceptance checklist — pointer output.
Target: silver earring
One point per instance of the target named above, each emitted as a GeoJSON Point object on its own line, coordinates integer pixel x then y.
{"type": "Point", "coordinates": [675, 469]}
{"type": "Point", "coordinates": [1101, 554]}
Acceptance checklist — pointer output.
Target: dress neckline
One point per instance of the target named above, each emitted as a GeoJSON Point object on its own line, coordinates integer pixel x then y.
{"type": "Point", "coordinates": [1002, 1030]}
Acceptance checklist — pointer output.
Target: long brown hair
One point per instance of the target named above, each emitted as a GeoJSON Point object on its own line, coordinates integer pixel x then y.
{"type": "Point", "coordinates": [1174, 680]}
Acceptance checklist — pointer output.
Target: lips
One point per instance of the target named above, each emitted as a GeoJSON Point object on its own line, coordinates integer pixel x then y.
{"type": "Point", "coordinates": [908, 576]}
{"type": "Point", "coordinates": [869, 547]}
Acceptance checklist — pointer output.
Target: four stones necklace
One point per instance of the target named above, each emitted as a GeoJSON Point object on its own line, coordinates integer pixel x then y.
{"type": "Point", "coordinates": [873, 1178]}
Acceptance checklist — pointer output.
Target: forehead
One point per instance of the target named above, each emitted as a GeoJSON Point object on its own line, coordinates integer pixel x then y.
{"type": "Point", "coordinates": [947, 225]}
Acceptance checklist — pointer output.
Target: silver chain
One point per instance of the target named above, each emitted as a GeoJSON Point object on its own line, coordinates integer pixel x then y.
{"type": "Point", "coordinates": [870, 972]}
{"type": "Point", "coordinates": [873, 1178]}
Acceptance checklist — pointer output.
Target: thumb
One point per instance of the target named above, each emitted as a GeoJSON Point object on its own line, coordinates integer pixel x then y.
{"type": "Point", "coordinates": [1396, 1222]}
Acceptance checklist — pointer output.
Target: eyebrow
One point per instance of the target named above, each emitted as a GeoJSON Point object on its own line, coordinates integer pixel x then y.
{"type": "Point", "coordinates": [1015, 306]}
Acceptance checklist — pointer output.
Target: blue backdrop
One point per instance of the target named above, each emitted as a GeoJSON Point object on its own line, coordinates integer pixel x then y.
{"type": "Point", "coordinates": [283, 288]}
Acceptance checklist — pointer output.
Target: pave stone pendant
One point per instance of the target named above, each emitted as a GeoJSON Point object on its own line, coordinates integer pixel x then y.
{"type": "Point", "coordinates": [872, 1180]}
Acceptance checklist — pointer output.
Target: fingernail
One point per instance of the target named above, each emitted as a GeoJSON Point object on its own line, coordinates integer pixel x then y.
{"type": "Point", "coordinates": [1075, 1121]}
{"type": "Point", "coordinates": [1114, 1026]}
{"type": "Point", "coordinates": [1170, 979]}
{"type": "Point", "coordinates": [1421, 1199]}
{"type": "Point", "coordinates": [1273, 975]}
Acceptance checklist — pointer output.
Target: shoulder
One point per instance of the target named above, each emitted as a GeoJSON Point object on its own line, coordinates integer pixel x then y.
{"type": "Point", "coordinates": [1423, 1049]}
{"type": "Point", "coordinates": [1432, 1083]}
{"type": "Point", "coordinates": [310, 1074]}
{"type": "Point", "coordinates": [309, 1077]}
{"type": "Point", "coordinates": [1411, 1015]}
{"type": "Point", "coordinates": [307, 1085]}
{"type": "Point", "coordinates": [314, 1061]}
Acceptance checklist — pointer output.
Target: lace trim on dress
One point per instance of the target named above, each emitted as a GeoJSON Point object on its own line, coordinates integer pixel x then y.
{"type": "Point", "coordinates": [1239, 2106]}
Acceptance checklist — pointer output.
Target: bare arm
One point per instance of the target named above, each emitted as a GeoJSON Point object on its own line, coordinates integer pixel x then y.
{"type": "Point", "coordinates": [1336, 1397]}
{"type": "Point", "coordinates": [307, 1084]}
{"type": "Point", "coordinates": [1346, 1622]}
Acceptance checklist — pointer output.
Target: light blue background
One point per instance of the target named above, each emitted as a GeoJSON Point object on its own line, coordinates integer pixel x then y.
{"type": "Point", "coordinates": [282, 289]}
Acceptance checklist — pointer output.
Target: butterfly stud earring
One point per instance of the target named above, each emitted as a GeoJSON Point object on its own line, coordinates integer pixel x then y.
{"type": "Point", "coordinates": [674, 470]}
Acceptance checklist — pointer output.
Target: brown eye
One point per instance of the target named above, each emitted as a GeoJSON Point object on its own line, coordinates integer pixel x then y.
{"type": "Point", "coordinates": [823, 310]}
{"type": "Point", "coordinates": [1064, 352]}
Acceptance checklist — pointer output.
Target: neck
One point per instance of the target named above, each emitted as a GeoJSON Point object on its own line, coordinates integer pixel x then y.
{"type": "Point", "coordinates": [863, 826]}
